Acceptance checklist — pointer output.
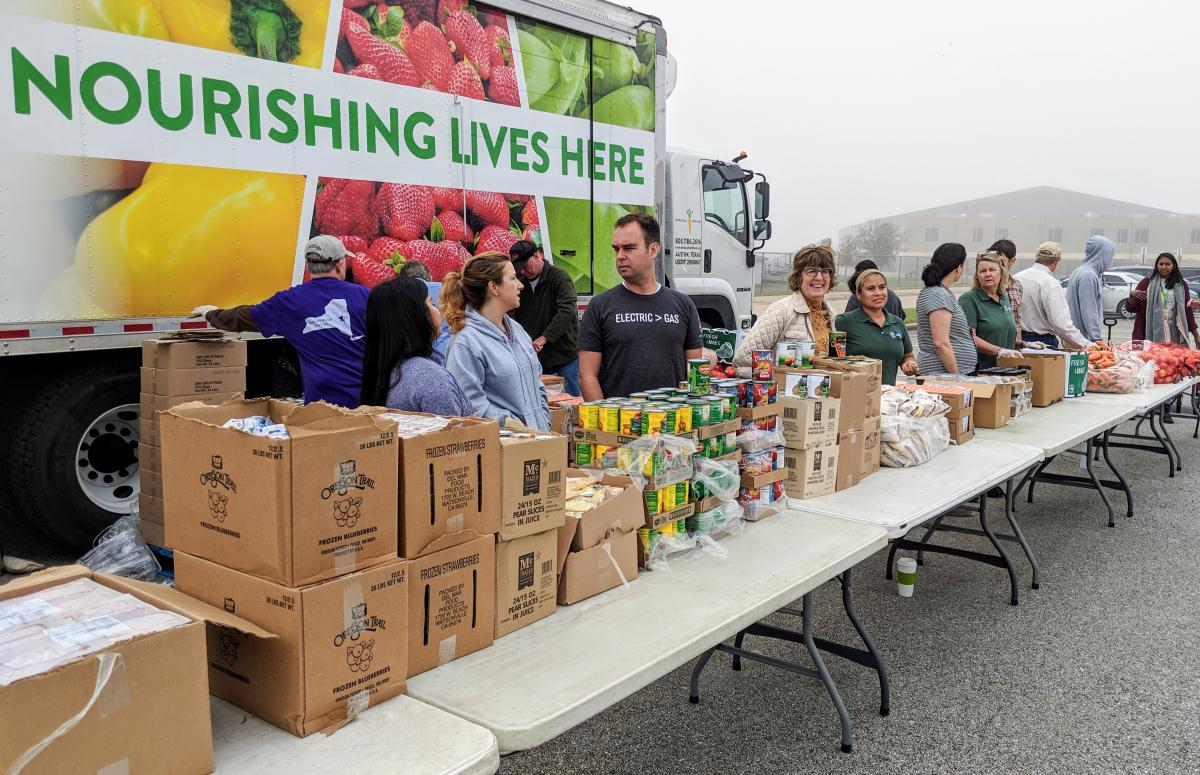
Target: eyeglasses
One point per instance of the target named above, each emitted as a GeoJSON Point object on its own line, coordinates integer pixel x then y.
{"type": "Point", "coordinates": [812, 271]}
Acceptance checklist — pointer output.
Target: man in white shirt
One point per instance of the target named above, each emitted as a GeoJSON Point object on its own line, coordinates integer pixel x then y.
{"type": "Point", "coordinates": [1044, 314]}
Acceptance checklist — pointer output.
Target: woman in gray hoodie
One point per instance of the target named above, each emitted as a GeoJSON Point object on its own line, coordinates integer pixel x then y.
{"type": "Point", "coordinates": [490, 355]}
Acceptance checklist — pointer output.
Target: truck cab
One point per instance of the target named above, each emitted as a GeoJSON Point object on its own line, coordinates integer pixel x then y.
{"type": "Point", "coordinates": [714, 221]}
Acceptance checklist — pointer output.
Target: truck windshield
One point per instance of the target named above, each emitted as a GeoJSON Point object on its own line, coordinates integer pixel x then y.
{"type": "Point", "coordinates": [725, 204]}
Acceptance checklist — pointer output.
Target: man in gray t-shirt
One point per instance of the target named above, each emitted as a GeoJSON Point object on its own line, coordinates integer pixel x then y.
{"type": "Point", "coordinates": [639, 335]}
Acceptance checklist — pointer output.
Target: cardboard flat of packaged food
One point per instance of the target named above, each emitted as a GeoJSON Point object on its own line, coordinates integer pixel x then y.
{"type": "Point", "coordinates": [849, 387]}
{"type": "Point", "coordinates": [600, 568]}
{"type": "Point", "coordinates": [809, 422]}
{"type": "Point", "coordinates": [150, 711]}
{"type": "Point", "coordinates": [318, 504]}
{"type": "Point", "coordinates": [152, 404]}
{"type": "Point", "coordinates": [533, 496]}
{"type": "Point", "coordinates": [452, 604]}
{"type": "Point", "coordinates": [526, 581]}
{"type": "Point", "coordinates": [317, 655]}
{"type": "Point", "coordinates": [187, 353]}
{"type": "Point", "coordinates": [623, 511]}
{"type": "Point", "coordinates": [1048, 372]}
{"type": "Point", "coordinates": [187, 382]}
{"type": "Point", "coordinates": [811, 472]}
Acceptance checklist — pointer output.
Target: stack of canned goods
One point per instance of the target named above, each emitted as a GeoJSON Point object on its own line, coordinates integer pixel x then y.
{"type": "Point", "coordinates": [667, 499]}
{"type": "Point", "coordinates": [756, 498]}
{"type": "Point", "coordinates": [650, 536]}
{"type": "Point", "coordinates": [706, 522]}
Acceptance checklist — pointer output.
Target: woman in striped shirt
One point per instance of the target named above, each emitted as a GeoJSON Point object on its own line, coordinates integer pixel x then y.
{"type": "Point", "coordinates": [944, 341]}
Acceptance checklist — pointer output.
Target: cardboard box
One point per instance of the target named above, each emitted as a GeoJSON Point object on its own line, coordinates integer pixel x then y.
{"type": "Point", "coordinates": [151, 509]}
{"type": "Point", "coordinates": [990, 407]}
{"type": "Point", "coordinates": [811, 472]}
{"type": "Point", "coordinates": [759, 412]}
{"type": "Point", "coordinates": [1048, 371]}
{"type": "Point", "coordinates": [849, 387]}
{"type": "Point", "coordinates": [186, 382]}
{"type": "Point", "coordinates": [560, 417]}
{"type": "Point", "coordinates": [532, 466]}
{"type": "Point", "coordinates": [149, 458]}
{"type": "Point", "coordinates": [152, 714]}
{"type": "Point", "coordinates": [871, 368]}
{"type": "Point", "coordinates": [449, 486]}
{"type": "Point", "coordinates": [150, 431]}
{"type": "Point", "coordinates": [624, 512]}
{"type": "Point", "coordinates": [600, 568]}
{"type": "Point", "coordinates": [193, 353]}
{"type": "Point", "coordinates": [809, 422]}
{"type": "Point", "coordinates": [674, 515]}
{"type": "Point", "coordinates": [451, 603]}
{"type": "Point", "coordinates": [151, 482]}
{"type": "Point", "coordinates": [318, 655]}
{"type": "Point", "coordinates": [762, 480]}
{"type": "Point", "coordinates": [1076, 378]}
{"type": "Point", "coordinates": [526, 581]}
{"type": "Point", "coordinates": [872, 446]}
{"type": "Point", "coordinates": [153, 533]}
{"type": "Point", "coordinates": [152, 404]}
{"type": "Point", "coordinates": [296, 511]}
{"type": "Point", "coordinates": [962, 429]}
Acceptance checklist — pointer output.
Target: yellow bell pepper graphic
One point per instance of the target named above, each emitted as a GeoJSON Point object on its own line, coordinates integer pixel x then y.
{"type": "Point", "coordinates": [130, 17]}
{"type": "Point", "coordinates": [187, 236]}
{"type": "Point", "coordinates": [291, 31]}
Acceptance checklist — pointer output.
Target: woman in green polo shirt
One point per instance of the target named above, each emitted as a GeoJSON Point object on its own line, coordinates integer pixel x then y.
{"type": "Point", "coordinates": [988, 311]}
{"type": "Point", "coordinates": [873, 331]}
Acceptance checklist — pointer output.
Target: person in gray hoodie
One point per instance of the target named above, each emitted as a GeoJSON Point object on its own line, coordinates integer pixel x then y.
{"type": "Point", "coordinates": [490, 355]}
{"type": "Point", "coordinates": [1084, 288]}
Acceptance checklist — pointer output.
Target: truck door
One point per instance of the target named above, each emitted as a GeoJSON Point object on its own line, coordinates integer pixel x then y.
{"type": "Point", "coordinates": [726, 269]}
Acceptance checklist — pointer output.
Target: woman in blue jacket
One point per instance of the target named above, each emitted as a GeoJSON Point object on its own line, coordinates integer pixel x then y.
{"type": "Point", "coordinates": [490, 355]}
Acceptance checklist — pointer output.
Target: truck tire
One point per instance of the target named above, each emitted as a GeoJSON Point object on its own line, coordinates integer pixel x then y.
{"type": "Point", "coordinates": [73, 458]}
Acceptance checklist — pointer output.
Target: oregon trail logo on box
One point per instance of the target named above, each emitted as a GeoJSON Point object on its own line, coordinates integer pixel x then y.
{"type": "Point", "coordinates": [360, 622]}
{"type": "Point", "coordinates": [218, 502]}
{"type": "Point", "coordinates": [347, 510]}
{"type": "Point", "coordinates": [532, 480]}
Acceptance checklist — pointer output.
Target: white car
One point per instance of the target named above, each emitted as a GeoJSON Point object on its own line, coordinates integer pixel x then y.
{"type": "Point", "coordinates": [1115, 290]}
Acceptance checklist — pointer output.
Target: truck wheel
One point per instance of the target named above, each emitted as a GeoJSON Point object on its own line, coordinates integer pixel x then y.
{"type": "Point", "coordinates": [74, 457]}
{"type": "Point", "coordinates": [1124, 312]}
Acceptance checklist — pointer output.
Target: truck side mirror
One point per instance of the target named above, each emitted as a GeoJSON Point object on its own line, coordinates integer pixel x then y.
{"type": "Point", "coordinates": [762, 230]}
{"type": "Point", "coordinates": [762, 202]}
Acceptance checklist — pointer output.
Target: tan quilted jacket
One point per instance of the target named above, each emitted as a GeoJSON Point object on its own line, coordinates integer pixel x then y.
{"type": "Point", "coordinates": [785, 320]}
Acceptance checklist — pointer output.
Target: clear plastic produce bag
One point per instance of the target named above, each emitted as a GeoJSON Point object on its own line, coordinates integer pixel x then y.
{"type": "Point", "coordinates": [121, 551]}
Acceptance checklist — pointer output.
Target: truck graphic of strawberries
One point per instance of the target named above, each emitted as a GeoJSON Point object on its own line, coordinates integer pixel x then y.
{"type": "Point", "coordinates": [347, 512]}
{"type": "Point", "coordinates": [218, 505]}
{"type": "Point", "coordinates": [359, 656]}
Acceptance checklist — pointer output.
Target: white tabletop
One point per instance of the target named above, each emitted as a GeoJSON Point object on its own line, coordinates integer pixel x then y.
{"type": "Point", "coordinates": [899, 499]}
{"type": "Point", "coordinates": [541, 681]}
{"type": "Point", "coordinates": [1142, 400]}
{"type": "Point", "coordinates": [401, 735]}
{"type": "Point", "coordinates": [1060, 426]}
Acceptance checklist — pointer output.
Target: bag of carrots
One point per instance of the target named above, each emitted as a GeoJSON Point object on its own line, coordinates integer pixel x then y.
{"type": "Point", "coordinates": [1120, 377]}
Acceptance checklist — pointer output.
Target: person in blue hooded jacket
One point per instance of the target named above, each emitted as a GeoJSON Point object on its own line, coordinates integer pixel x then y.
{"type": "Point", "coordinates": [1084, 288]}
{"type": "Point", "coordinates": [490, 355]}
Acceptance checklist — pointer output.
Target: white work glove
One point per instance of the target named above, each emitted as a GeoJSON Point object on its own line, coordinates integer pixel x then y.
{"type": "Point", "coordinates": [1006, 353]}
{"type": "Point", "coordinates": [1035, 345]}
{"type": "Point", "coordinates": [203, 310]}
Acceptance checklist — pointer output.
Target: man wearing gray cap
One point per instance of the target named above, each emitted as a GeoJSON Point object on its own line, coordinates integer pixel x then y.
{"type": "Point", "coordinates": [324, 319]}
{"type": "Point", "coordinates": [1045, 317]}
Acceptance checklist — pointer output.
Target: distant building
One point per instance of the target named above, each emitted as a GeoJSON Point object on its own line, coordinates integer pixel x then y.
{"type": "Point", "coordinates": [1034, 215]}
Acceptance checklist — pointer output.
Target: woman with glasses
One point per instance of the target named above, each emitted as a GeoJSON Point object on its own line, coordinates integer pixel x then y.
{"type": "Point", "coordinates": [989, 310]}
{"type": "Point", "coordinates": [802, 317]}
{"type": "Point", "coordinates": [944, 341]}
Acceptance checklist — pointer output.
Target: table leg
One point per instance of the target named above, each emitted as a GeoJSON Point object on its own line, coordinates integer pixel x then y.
{"type": "Point", "coordinates": [737, 644]}
{"type": "Point", "coordinates": [1112, 516]}
{"type": "Point", "coordinates": [1166, 413]}
{"type": "Point", "coordinates": [1120, 477]}
{"type": "Point", "coordinates": [928, 534]}
{"type": "Point", "coordinates": [1012, 521]}
{"type": "Point", "coordinates": [987, 530]}
{"type": "Point", "coordinates": [834, 696]}
{"type": "Point", "coordinates": [885, 691]}
{"type": "Point", "coordinates": [694, 689]}
{"type": "Point", "coordinates": [1162, 442]}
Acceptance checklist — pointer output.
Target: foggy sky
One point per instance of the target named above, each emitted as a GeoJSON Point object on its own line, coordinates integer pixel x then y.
{"type": "Point", "coordinates": [869, 108]}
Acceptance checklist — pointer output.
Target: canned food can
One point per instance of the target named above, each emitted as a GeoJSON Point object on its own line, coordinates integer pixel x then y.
{"type": "Point", "coordinates": [684, 421]}
{"type": "Point", "coordinates": [666, 499]}
{"type": "Point", "coordinates": [640, 396]}
{"type": "Point", "coordinates": [631, 420]}
{"type": "Point", "coordinates": [653, 418]}
{"type": "Point", "coordinates": [653, 502]}
{"type": "Point", "coordinates": [744, 394]}
{"type": "Point", "coordinates": [610, 418]}
{"type": "Point", "coordinates": [789, 355]}
{"type": "Point", "coordinates": [730, 443]}
{"type": "Point", "coordinates": [761, 364]}
{"type": "Point", "coordinates": [584, 454]}
{"type": "Point", "coordinates": [837, 344]}
{"type": "Point", "coordinates": [599, 453]}
{"type": "Point", "coordinates": [667, 529]}
{"type": "Point", "coordinates": [681, 526]}
{"type": "Point", "coordinates": [683, 492]}
{"type": "Point", "coordinates": [715, 447]}
{"type": "Point", "coordinates": [716, 410]}
{"type": "Point", "coordinates": [649, 538]}
{"type": "Point", "coordinates": [760, 393]}
{"type": "Point", "coordinates": [700, 416]}
{"type": "Point", "coordinates": [670, 417]}
{"type": "Point", "coordinates": [772, 393]}
{"type": "Point", "coordinates": [699, 375]}
{"type": "Point", "coordinates": [589, 416]}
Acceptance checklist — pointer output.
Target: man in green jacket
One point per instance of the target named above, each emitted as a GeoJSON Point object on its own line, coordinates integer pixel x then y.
{"type": "Point", "coordinates": [548, 312]}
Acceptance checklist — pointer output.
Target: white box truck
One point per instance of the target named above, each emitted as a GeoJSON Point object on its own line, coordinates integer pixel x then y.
{"type": "Point", "coordinates": [157, 155]}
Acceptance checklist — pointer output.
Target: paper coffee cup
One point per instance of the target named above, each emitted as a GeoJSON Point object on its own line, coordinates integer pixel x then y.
{"type": "Point", "coordinates": [906, 576]}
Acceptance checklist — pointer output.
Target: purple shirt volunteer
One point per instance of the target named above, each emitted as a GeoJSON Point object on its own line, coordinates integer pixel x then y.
{"type": "Point", "coordinates": [324, 319]}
